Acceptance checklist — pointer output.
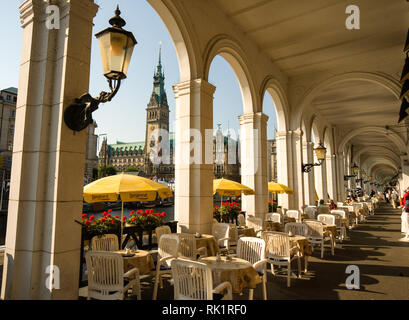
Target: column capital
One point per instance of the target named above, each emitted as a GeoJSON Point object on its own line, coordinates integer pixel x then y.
{"type": "Point", "coordinates": [253, 117]}
{"type": "Point", "coordinates": [186, 87]}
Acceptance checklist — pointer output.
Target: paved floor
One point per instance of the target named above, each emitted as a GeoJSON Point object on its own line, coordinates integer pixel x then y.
{"type": "Point", "coordinates": [373, 246]}
{"type": "Point", "coordinates": [383, 262]}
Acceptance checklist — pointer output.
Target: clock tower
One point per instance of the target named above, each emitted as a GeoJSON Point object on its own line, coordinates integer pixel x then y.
{"type": "Point", "coordinates": [157, 116]}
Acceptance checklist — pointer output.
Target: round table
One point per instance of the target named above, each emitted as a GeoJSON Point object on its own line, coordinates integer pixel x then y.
{"type": "Point", "coordinates": [246, 232]}
{"type": "Point", "coordinates": [273, 226]}
{"type": "Point", "coordinates": [141, 260]}
{"type": "Point", "coordinates": [240, 273]}
{"type": "Point", "coordinates": [209, 242]}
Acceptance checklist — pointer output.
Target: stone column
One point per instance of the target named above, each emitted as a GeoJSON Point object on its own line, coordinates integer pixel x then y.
{"type": "Point", "coordinates": [341, 173]}
{"type": "Point", "coordinates": [309, 187]}
{"type": "Point", "coordinates": [48, 158]}
{"type": "Point", "coordinates": [194, 156]}
{"type": "Point", "coordinates": [253, 144]}
{"type": "Point", "coordinates": [331, 178]}
{"type": "Point", "coordinates": [283, 151]}
{"type": "Point", "coordinates": [298, 176]}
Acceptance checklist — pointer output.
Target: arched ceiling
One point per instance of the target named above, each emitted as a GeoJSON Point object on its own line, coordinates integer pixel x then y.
{"type": "Point", "coordinates": [308, 39]}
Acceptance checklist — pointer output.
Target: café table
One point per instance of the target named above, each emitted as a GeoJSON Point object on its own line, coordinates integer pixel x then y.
{"type": "Point", "coordinates": [209, 242]}
{"type": "Point", "coordinates": [246, 232]}
{"type": "Point", "coordinates": [273, 226]}
{"type": "Point", "coordinates": [240, 273]}
{"type": "Point", "coordinates": [140, 259]}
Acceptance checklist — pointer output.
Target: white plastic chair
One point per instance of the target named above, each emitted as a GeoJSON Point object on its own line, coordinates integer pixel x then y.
{"type": "Point", "coordinates": [168, 249]}
{"type": "Point", "coordinates": [276, 217]}
{"type": "Point", "coordinates": [256, 224]}
{"type": "Point", "coordinates": [193, 281]}
{"type": "Point", "coordinates": [340, 204]}
{"type": "Point", "coordinates": [269, 216]}
{"type": "Point", "coordinates": [339, 215]}
{"type": "Point", "coordinates": [159, 231]}
{"type": "Point", "coordinates": [106, 278]}
{"type": "Point", "coordinates": [310, 212]}
{"type": "Point", "coordinates": [316, 236]}
{"type": "Point", "coordinates": [326, 218]}
{"type": "Point", "coordinates": [293, 214]}
{"type": "Point", "coordinates": [241, 219]}
{"type": "Point", "coordinates": [188, 249]}
{"type": "Point", "coordinates": [253, 250]}
{"type": "Point", "coordinates": [105, 242]}
{"type": "Point", "coordinates": [296, 228]}
{"type": "Point", "coordinates": [278, 252]}
{"type": "Point", "coordinates": [220, 232]}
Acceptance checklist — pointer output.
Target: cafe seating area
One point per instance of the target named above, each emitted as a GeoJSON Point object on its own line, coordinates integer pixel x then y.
{"type": "Point", "coordinates": [236, 261]}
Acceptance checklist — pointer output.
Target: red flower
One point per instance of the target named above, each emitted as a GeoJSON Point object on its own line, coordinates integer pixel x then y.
{"type": "Point", "coordinates": [116, 217]}
{"type": "Point", "coordinates": [139, 212]}
{"type": "Point", "coordinates": [84, 216]}
{"type": "Point", "coordinates": [110, 210]}
{"type": "Point", "coordinates": [87, 223]}
{"type": "Point", "coordinates": [103, 220]}
{"type": "Point", "coordinates": [104, 214]}
{"type": "Point", "coordinates": [91, 218]}
{"type": "Point", "coordinates": [108, 215]}
{"type": "Point", "coordinates": [124, 219]}
{"type": "Point", "coordinates": [112, 221]}
{"type": "Point", "coordinates": [133, 219]}
{"type": "Point", "coordinates": [132, 212]}
{"type": "Point", "coordinates": [151, 211]}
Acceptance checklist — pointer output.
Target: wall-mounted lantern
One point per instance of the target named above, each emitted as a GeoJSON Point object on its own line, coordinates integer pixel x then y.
{"type": "Point", "coordinates": [116, 46]}
{"type": "Point", "coordinates": [320, 153]}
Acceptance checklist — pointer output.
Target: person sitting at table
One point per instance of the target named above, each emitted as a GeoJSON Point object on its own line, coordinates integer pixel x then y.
{"type": "Point", "coordinates": [332, 205]}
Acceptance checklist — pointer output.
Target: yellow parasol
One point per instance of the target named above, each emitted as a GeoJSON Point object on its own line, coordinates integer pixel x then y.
{"type": "Point", "coordinates": [275, 187]}
{"type": "Point", "coordinates": [129, 187]}
{"type": "Point", "coordinates": [230, 188]}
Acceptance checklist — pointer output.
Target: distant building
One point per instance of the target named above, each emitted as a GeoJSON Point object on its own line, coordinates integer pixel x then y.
{"type": "Point", "coordinates": [272, 160]}
{"type": "Point", "coordinates": [123, 155]}
{"type": "Point", "coordinates": [8, 102]}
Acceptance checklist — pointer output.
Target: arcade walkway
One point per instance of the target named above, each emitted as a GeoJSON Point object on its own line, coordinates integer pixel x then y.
{"type": "Point", "coordinates": [373, 246]}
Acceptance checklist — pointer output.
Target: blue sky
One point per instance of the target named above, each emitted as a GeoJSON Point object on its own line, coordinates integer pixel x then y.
{"type": "Point", "coordinates": [124, 117]}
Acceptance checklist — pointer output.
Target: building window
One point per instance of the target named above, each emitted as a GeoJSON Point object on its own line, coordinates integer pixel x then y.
{"type": "Point", "coordinates": [14, 99]}
{"type": "Point", "coordinates": [12, 129]}
{"type": "Point", "coordinates": [13, 114]}
{"type": "Point", "coordinates": [8, 98]}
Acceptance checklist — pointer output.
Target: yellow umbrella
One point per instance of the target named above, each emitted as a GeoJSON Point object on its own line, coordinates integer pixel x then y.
{"type": "Point", "coordinates": [275, 187]}
{"type": "Point", "coordinates": [129, 187]}
{"type": "Point", "coordinates": [230, 188]}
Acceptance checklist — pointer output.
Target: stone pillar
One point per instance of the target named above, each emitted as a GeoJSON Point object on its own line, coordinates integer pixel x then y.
{"type": "Point", "coordinates": [253, 144]}
{"type": "Point", "coordinates": [194, 156]}
{"type": "Point", "coordinates": [331, 177]}
{"type": "Point", "coordinates": [283, 152]}
{"type": "Point", "coordinates": [48, 158]}
{"type": "Point", "coordinates": [340, 172]}
{"type": "Point", "coordinates": [309, 187]}
{"type": "Point", "coordinates": [298, 177]}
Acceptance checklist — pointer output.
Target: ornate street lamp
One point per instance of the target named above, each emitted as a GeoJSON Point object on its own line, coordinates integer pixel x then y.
{"type": "Point", "coordinates": [320, 152]}
{"type": "Point", "coordinates": [116, 46]}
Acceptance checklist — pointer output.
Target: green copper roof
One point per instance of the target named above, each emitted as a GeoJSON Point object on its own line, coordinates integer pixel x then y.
{"type": "Point", "coordinates": [12, 90]}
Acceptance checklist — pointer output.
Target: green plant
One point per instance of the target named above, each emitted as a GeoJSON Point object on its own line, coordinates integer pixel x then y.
{"type": "Point", "coordinates": [108, 170]}
{"type": "Point", "coordinates": [131, 169]}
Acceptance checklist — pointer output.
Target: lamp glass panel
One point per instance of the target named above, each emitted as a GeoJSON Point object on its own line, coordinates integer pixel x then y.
{"type": "Point", "coordinates": [355, 170]}
{"type": "Point", "coordinates": [116, 51]}
{"type": "Point", "coordinates": [320, 153]}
